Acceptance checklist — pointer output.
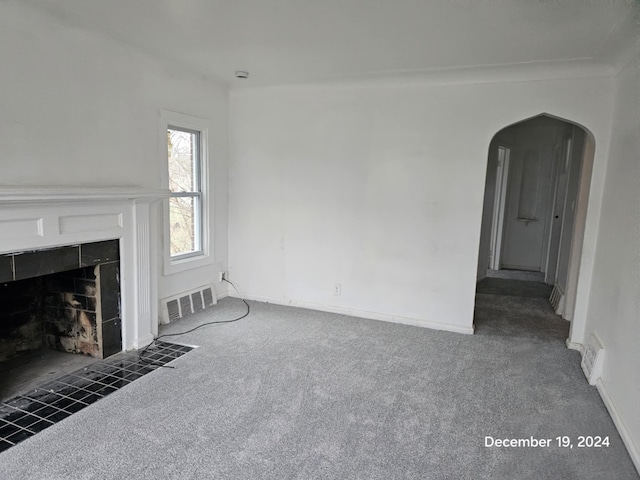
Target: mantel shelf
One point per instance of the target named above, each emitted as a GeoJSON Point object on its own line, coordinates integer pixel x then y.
{"type": "Point", "coordinates": [39, 194]}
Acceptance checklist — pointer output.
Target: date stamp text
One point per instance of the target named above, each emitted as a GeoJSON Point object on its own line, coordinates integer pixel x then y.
{"type": "Point", "coordinates": [562, 441]}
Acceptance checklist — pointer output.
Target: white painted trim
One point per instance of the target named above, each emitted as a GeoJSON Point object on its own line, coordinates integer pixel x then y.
{"type": "Point", "coordinates": [578, 284]}
{"type": "Point", "coordinates": [169, 118]}
{"type": "Point", "coordinates": [531, 71]}
{"type": "Point", "coordinates": [222, 295]}
{"type": "Point", "coordinates": [354, 312]}
{"type": "Point", "coordinates": [549, 227]}
{"type": "Point", "coordinates": [144, 341]}
{"type": "Point", "coordinates": [49, 193]}
{"type": "Point", "coordinates": [59, 216]}
{"type": "Point", "coordinates": [574, 346]}
{"type": "Point", "coordinates": [499, 205]}
{"type": "Point", "coordinates": [632, 448]}
{"type": "Point", "coordinates": [222, 290]}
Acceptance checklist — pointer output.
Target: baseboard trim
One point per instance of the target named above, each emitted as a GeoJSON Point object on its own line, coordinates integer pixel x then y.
{"type": "Point", "coordinates": [221, 294]}
{"type": "Point", "coordinates": [144, 341]}
{"type": "Point", "coordinates": [632, 448]}
{"type": "Point", "coordinates": [416, 322]}
{"type": "Point", "coordinates": [575, 346]}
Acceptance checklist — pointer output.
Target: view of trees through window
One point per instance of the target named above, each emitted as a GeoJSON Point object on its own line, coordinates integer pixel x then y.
{"type": "Point", "coordinates": [184, 183]}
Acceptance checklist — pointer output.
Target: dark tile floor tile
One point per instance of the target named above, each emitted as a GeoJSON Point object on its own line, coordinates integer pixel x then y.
{"type": "Point", "coordinates": [25, 420]}
{"type": "Point", "coordinates": [57, 416]}
{"type": "Point", "coordinates": [4, 445]}
{"type": "Point", "coordinates": [19, 436]}
{"type": "Point", "coordinates": [26, 415]}
{"type": "Point", "coordinates": [40, 425]}
{"type": "Point", "coordinates": [8, 429]}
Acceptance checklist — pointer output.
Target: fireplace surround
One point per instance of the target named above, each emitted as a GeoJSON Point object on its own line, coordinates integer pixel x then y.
{"type": "Point", "coordinates": [43, 218]}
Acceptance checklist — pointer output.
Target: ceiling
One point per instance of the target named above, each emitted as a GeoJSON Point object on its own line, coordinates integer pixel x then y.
{"type": "Point", "coordinates": [291, 41]}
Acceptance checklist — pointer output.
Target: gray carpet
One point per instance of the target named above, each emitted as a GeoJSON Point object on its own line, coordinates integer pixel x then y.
{"type": "Point", "coordinates": [514, 288]}
{"type": "Point", "coordinates": [296, 394]}
{"type": "Point", "coordinates": [519, 309]}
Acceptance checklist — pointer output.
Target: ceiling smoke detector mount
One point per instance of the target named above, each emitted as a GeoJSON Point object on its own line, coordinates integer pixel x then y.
{"type": "Point", "coordinates": [242, 74]}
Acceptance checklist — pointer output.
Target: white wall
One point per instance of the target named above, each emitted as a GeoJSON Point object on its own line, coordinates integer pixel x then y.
{"type": "Point", "coordinates": [379, 187]}
{"type": "Point", "coordinates": [614, 304]}
{"type": "Point", "coordinates": [77, 109]}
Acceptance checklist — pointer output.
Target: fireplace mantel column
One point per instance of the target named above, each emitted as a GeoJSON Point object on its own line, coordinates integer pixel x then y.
{"type": "Point", "coordinates": [140, 297]}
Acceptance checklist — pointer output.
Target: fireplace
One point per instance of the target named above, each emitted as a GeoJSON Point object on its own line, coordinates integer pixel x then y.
{"type": "Point", "coordinates": [35, 218]}
{"type": "Point", "coordinates": [89, 237]}
{"type": "Point", "coordinates": [65, 298]}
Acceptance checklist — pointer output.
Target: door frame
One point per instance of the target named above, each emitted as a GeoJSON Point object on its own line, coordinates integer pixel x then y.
{"type": "Point", "coordinates": [499, 204]}
{"type": "Point", "coordinates": [576, 296]}
{"type": "Point", "coordinates": [563, 152]}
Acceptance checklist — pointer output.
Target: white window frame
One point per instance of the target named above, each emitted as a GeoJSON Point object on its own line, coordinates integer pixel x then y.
{"type": "Point", "coordinates": [203, 257]}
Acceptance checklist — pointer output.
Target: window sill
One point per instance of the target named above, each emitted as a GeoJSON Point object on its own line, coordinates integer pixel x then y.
{"type": "Point", "coordinates": [184, 264]}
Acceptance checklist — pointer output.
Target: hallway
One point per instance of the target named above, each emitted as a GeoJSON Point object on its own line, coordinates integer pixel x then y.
{"type": "Point", "coordinates": [511, 307]}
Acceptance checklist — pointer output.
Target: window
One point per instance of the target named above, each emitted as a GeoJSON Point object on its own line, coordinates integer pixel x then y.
{"type": "Point", "coordinates": [185, 184]}
{"type": "Point", "coordinates": [184, 143]}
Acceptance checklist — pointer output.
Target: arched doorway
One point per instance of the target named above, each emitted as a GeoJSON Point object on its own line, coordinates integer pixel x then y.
{"type": "Point", "coordinates": [535, 202]}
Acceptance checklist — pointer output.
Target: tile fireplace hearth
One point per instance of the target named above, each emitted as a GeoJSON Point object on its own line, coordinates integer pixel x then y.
{"type": "Point", "coordinates": [25, 415]}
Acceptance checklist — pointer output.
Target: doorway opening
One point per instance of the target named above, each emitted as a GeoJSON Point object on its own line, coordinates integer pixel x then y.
{"type": "Point", "coordinates": [535, 201]}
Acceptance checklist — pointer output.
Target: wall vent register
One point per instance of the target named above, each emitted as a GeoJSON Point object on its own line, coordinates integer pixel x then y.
{"type": "Point", "coordinates": [174, 308]}
{"type": "Point", "coordinates": [592, 359]}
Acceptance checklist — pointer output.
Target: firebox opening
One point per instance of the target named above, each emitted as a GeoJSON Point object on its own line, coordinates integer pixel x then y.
{"type": "Point", "coordinates": [75, 309]}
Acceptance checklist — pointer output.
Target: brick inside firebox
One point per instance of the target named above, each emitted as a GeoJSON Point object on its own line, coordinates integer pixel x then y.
{"type": "Point", "coordinates": [74, 311]}
{"type": "Point", "coordinates": [71, 322]}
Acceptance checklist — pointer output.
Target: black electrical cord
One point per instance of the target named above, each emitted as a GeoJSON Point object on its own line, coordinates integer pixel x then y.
{"type": "Point", "coordinates": [151, 362]}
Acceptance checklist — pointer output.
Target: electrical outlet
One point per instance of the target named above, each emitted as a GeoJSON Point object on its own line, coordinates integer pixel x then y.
{"type": "Point", "coordinates": [223, 276]}
{"type": "Point", "coordinates": [337, 289]}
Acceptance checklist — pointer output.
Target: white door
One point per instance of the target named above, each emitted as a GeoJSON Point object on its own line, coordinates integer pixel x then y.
{"type": "Point", "coordinates": [526, 210]}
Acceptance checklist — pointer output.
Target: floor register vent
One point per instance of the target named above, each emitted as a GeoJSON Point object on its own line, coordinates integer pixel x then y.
{"type": "Point", "coordinates": [179, 306]}
{"type": "Point", "coordinates": [592, 359]}
{"type": "Point", "coordinates": [557, 300]}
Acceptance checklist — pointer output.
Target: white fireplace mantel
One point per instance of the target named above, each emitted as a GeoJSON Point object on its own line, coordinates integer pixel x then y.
{"type": "Point", "coordinates": [48, 193]}
{"type": "Point", "coordinates": [33, 218]}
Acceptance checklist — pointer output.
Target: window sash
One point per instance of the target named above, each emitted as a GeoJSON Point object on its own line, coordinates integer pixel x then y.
{"type": "Point", "coordinates": [196, 196]}
{"type": "Point", "coordinates": [196, 228]}
{"type": "Point", "coordinates": [196, 159]}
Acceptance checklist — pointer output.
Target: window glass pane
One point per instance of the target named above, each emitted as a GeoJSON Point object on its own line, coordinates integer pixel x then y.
{"type": "Point", "coordinates": [183, 220]}
{"type": "Point", "coordinates": [183, 160]}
